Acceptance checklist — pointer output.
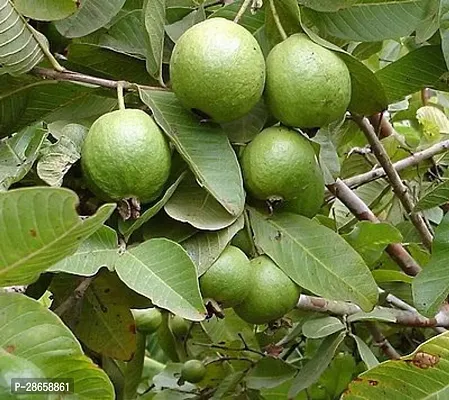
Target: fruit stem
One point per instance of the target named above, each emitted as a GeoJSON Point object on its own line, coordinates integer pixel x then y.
{"type": "Point", "coordinates": [249, 232]}
{"type": "Point", "coordinates": [277, 21]}
{"type": "Point", "coordinates": [242, 10]}
{"type": "Point", "coordinates": [120, 96]}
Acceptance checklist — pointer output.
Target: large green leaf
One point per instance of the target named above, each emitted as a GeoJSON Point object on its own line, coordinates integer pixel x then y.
{"type": "Point", "coordinates": [154, 17]}
{"type": "Point", "coordinates": [312, 371]}
{"type": "Point", "coordinates": [269, 372]}
{"type": "Point", "coordinates": [162, 271]}
{"type": "Point", "coordinates": [431, 286]}
{"type": "Point", "coordinates": [318, 328]}
{"type": "Point", "coordinates": [18, 154]}
{"type": "Point", "coordinates": [434, 198]}
{"type": "Point", "coordinates": [205, 247]}
{"type": "Point", "coordinates": [91, 15]}
{"type": "Point", "coordinates": [193, 204]}
{"type": "Point", "coordinates": [30, 331]}
{"type": "Point", "coordinates": [444, 28]}
{"type": "Point", "coordinates": [204, 146]}
{"type": "Point", "coordinates": [423, 67]}
{"type": "Point", "coordinates": [98, 250]}
{"type": "Point", "coordinates": [327, 5]}
{"type": "Point", "coordinates": [22, 46]}
{"type": "Point", "coordinates": [46, 10]}
{"type": "Point", "coordinates": [300, 247]}
{"type": "Point", "coordinates": [40, 226]}
{"type": "Point", "coordinates": [370, 21]}
{"type": "Point", "coordinates": [418, 376]}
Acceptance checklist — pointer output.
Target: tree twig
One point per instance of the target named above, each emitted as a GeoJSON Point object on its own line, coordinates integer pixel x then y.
{"type": "Point", "coordinates": [411, 161]}
{"type": "Point", "coordinates": [76, 295]}
{"type": "Point", "coordinates": [382, 342]}
{"type": "Point", "coordinates": [72, 76]}
{"type": "Point", "coordinates": [242, 10]}
{"type": "Point", "coordinates": [277, 21]}
{"type": "Point", "coordinates": [399, 188]}
{"type": "Point", "coordinates": [361, 211]}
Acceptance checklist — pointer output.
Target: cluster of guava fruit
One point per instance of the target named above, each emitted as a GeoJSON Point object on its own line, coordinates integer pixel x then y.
{"type": "Point", "coordinates": [218, 72]}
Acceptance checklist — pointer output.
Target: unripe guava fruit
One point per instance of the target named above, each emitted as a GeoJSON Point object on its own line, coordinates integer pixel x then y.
{"type": "Point", "coordinates": [125, 155]}
{"type": "Point", "coordinates": [226, 281]}
{"type": "Point", "coordinates": [147, 321]}
{"type": "Point", "coordinates": [307, 85]}
{"type": "Point", "coordinates": [193, 371]}
{"type": "Point", "coordinates": [218, 69]}
{"type": "Point", "coordinates": [179, 326]}
{"type": "Point", "coordinates": [271, 295]}
{"type": "Point", "coordinates": [280, 165]}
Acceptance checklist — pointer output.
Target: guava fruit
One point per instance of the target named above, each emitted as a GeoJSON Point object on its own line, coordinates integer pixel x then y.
{"type": "Point", "coordinates": [125, 155]}
{"type": "Point", "coordinates": [179, 326]}
{"type": "Point", "coordinates": [307, 85]}
{"type": "Point", "coordinates": [271, 293]}
{"type": "Point", "coordinates": [226, 281]}
{"type": "Point", "coordinates": [217, 68]}
{"type": "Point", "coordinates": [193, 371]}
{"type": "Point", "coordinates": [280, 165]}
{"type": "Point", "coordinates": [147, 321]}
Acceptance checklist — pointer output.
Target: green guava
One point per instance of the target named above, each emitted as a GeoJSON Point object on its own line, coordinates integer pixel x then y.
{"type": "Point", "coordinates": [271, 295]}
{"type": "Point", "coordinates": [307, 85]}
{"type": "Point", "coordinates": [179, 326]}
{"type": "Point", "coordinates": [218, 69]}
{"type": "Point", "coordinates": [281, 165]}
{"type": "Point", "coordinates": [125, 155]}
{"type": "Point", "coordinates": [193, 371]}
{"type": "Point", "coordinates": [226, 281]}
{"type": "Point", "coordinates": [147, 321]}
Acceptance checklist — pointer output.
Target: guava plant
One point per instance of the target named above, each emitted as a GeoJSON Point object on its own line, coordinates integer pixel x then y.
{"type": "Point", "coordinates": [206, 199]}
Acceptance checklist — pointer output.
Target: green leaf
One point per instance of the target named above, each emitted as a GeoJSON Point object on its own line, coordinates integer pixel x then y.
{"type": "Point", "coordinates": [249, 20]}
{"type": "Point", "coordinates": [420, 375]}
{"type": "Point", "coordinates": [431, 286]}
{"type": "Point", "coordinates": [91, 15]}
{"type": "Point", "coordinates": [98, 250]}
{"type": "Point", "coordinates": [18, 154]}
{"type": "Point", "coordinates": [363, 20]}
{"type": "Point", "coordinates": [321, 327]}
{"type": "Point", "coordinates": [193, 204]}
{"type": "Point", "coordinates": [59, 157]}
{"type": "Point", "coordinates": [383, 314]}
{"type": "Point", "coordinates": [389, 275]}
{"type": "Point", "coordinates": [154, 17]}
{"type": "Point", "coordinates": [327, 5]}
{"type": "Point", "coordinates": [365, 352]}
{"type": "Point", "coordinates": [22, 46]}
{"type": "Point", "coordinates": [162, 225]}
{"type": "Point", "coordinates": [370, 239]}
{"type": "Point", "coordinates": [268, 373]}
{"type": "Point", "coordinates": [134, 368]}
{"type": "Point", "coordinates": [288, 13]}
{"type": "Point", "coordinates": [437, 196]}
{"type": "Point", "coordinates": [31, 331]}
{"type": "Point", "coordinates": [162, 271]}
{"type": "Point", "coordinates": [312, 370]}
{"type": "Point", "coordinates": [47, 10]}
{"type": "Point", "coordinates": [300, 247]}
{"type": "Point", "coordinates": [127, 228]}
{"type": "Point", "coordinates": [367, 95]}
{"type": "Point", "coordinates": [175, 30]}
{"type": "Point", "coordinates": [204, 147]}
{"type": "Point", "coordinates": [101, 320]}
{"type": "Point", "coordinates": [205, 247]}
{"type": "Point", "coordinates": [40, 227]}
{"type": "Point", "coordinates": [444, 28]}
{"type": "Point", "coordinates": [423, 67]}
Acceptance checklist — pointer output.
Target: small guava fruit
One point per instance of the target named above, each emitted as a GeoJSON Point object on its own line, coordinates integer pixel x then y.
{"type": "Point", "coordinates": [281, 165]}
{"type": "Point", "coordinates": [307, 85]}
{"type": "Point", "coordinates": [271, 293]}
{"type": "Point", "coordinates": [147, 321]}
{"type": "Point", "coordinates": [125, 155]}
{"type": "Point", "coordinates": [179, 326]}
{"type": "Point", "coordinates": [226, 281]}
{"type": "Point", "coordinates": [193, 371]}
{"type": "Point", "coordinates": [217, 68]}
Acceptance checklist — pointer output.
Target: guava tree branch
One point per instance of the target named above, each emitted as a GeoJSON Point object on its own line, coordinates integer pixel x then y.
{"type": "Point", "coordinates": [400, 317]}
{"type": "Point", "coordinates": [76, 295]}
{"type": "Point", "coordinates": [399, 188]}
{"type": "Point", "coordinates": [408, 162]}
{"type": "Point", "coordinates": [362, 212]}
{"type": "Point", "coordinates": [382, 342]}
{"type": "Point", "coordinates": [72, 76]}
